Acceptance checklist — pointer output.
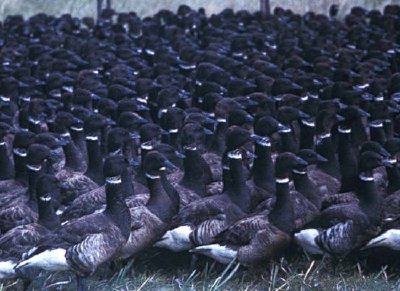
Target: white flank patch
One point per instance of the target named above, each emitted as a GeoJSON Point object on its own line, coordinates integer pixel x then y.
{"type": "Point", "coordinates": [221, 254]}
{"type": "Point", "coordinates": [306, 239]}
{"type": "Point", "coordinates": [50, 260]}
{"type": "Point", "coordinates": [176, 240]}
{"type": "Point", "coordinates": [7, 269]}
{"type": "Point", "coordinates": [389, 239]}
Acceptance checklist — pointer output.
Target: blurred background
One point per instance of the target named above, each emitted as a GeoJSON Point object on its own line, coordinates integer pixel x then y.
{"type": "Point", "coordinates": [81, 8]}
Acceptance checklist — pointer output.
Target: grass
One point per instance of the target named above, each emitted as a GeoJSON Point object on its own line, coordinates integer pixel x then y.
{"type": "Point", "coordinates": [161, 272]}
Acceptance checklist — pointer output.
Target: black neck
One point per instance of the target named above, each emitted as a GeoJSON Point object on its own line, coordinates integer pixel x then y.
{"type": "Point", "coordinates": [263, 170]}
{"type": "Point", "coordinates": [196, 172]}
{"type": "Point", "coordinates": [116, 207]}
{"type": "Point", "coordinates": [282, 215]}
{"type": "Point", "coordinates": [6, 169]}
{"type": "Point", "coordinates": [47, 216]}
{"type": "Point", "coordinates": [325, 148]}
{"type": "Point", "coordinates": [348, 163]}
{"type": "Point", "coordinates": [393, 178]}
{"type": "Point", "coordinates": [32, 178]}
{"type": "Point", "coordinates": [21, 172]}
{"type": "Point", "coordinates": [238, 191]}
{"type": "Point", "coordinates": [35, 127]}
{"type": "Point", "coordinates": [370, 200]}
{"type": "Point", "coordinates": [160, 202]}
{"type": "Point", "coordinates": [389, 128]}
{"type": "Point", "coordinates": [73, 158]}
{"type": "Point", "coordinates": [95, 162]}
{"type": "Point", "coordinates": [378, 134]}
{"type": "Point", "coordinates": [358, 134]}
{"type": "Point", "coordinates": [305, 186]}
{"type": "Point", "coordinates": [218, 145]}
{"type": "Point", "coordinates": [79, 140]}
{"type": "Point", "coordinates": [306, 136]}
{"type": "Point", "coordinates": [288, 142]}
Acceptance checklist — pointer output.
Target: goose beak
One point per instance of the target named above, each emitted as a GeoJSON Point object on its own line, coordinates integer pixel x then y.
{"type": "Point", "coordinates": [321, 158]}
{"type": "Point", "coordinates": [301, 162]}
{"type": "Point", "coordinates": [363, 113]}
{"type": "Point", "coordinates": [387, 163]}
{"type": "Point", "coordinates": [339, 118]}
{"type": "Point", "coordinates": [179, 155]}
{"type": "Point", "coordinates": [170, 165]}
{"type": "Point", "coordinates": [110, 122]}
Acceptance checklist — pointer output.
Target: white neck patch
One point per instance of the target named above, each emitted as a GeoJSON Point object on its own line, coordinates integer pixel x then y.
{"type": "Point", "coordinates": [32, 120]}
{"type": "Point", "coordinates": [35, 168]}
{"type": "Point", "coordinates": [344, 130]}
{"type": "Point", "coordinates": [282, 180]}
{"type": "Point", "coordinates": [152, 177]}
{"type": "Point", "coordinates": [20, 152]}
{"type": "Point", "coordinates": [146, 146]}
{"type": "Point", "coordinates": [264, 142]}
{"type": "Point", "coordinates": [366, 178]}
{"type": "Point", "coordinates": [221, 120]}
{"type": "Point", "coordinates": [286, 130]}
{"type": "Point", "coordinates": [92, 137]}
{"type": "Point", "coordinates": [236, 155]}
{"type": "Point", "coordinates": [308, 123]}
{"type": "Point", "coordinates": [74, 128]}
{"type": "Point", "coordinates": [65, 134]}
{"type": "Point", "coordinates": [376, 124]}
{"type": "Point", "coordinates": [173, 130]}
{"type": "Point", "coordinates": [5, 99]}
{"type": "Point", "coordinates": [114, 180]}
{"type": "Point", "coordinates": [2, 143]}
{"type": "Point", "coordinates": [299, 172]}
{"type": "Point", "coordinates": [190, 148]}
{"type": "Point", "coordinates": [46, 197]}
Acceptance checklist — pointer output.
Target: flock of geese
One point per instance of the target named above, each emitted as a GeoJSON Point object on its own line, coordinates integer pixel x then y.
{"type": "Point", "coordinates": [232, 136]}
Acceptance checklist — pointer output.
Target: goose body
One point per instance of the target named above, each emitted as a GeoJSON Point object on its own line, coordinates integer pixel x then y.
{"type": "Point", "coordinates": [83, 244]}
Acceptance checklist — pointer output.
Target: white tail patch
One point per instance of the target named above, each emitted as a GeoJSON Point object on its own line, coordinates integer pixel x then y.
{"type": "Point", "coordinates": [7, 269]}
{"type": "Point", "coordinates": [177, 239]}
{"type": "Point", "coordinates": [50, 260]}
{"type": "Point", "coordinates": [306, 239]}
{"type": "Point", "coordinates": [389, 239]}
{"type": "Point", "coordinates": [221, 254]}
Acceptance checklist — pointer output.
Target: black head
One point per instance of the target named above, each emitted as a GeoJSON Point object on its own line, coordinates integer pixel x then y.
{"type": "Point", "coordinates": [155, 163]}
{"type": "Point", "coordinates": [374, 147]}
{"type": "Point", "coordinates": [193, 135]}
{"type": "Point", "coordinates": [48, 139]}
{"type": "Point", "coordinates": [370, 160]}
{"type": "Point", "coordinates": [170, 153]}
{"type": "Point", "coordinates": [114, 166]}
{"type": "Point", "coordinates": [5, 129]}
{"type": "Point", "coordinates": [95, 123]}
{"type": "Point", "coordinates": [149, 131]}
{"type": "Point", "coordinates": [287, 114]}
{"type": "Point", "coordinates": [351, 113]}
{"type": "Point", "coordinates": [310, 156]}
{"type": "Point", "coordinates": [325, 120]}
{"type": "Point", "coordinates": [392, 145]}
{"type": "Point", "coordinates": [64, 120]}
{"type": "Point", "coordinates": [23, 139]}
{"type": "Point", "coordinates": [239, 117]}
{"type": "Point", "coordinates": [117, 137]}
{"type": "Point", "coordinates": [236, 137]}
{"type": "Point", "coordinates": [37, 153]}
{"type": "Point", "coordinates": [47, 187]}
{"type": "Point", "coordinates": [131, 121]}
{"type": "Point", "coordinates": [173, 119]}
{"type": "Point", "coordinates": [267, 126]}
{"type": "Point", "coordinates": [286, 162]}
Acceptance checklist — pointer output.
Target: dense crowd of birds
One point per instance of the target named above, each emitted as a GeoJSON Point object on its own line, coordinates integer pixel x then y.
{"type": "Point", "coordinates": [233, 136]}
